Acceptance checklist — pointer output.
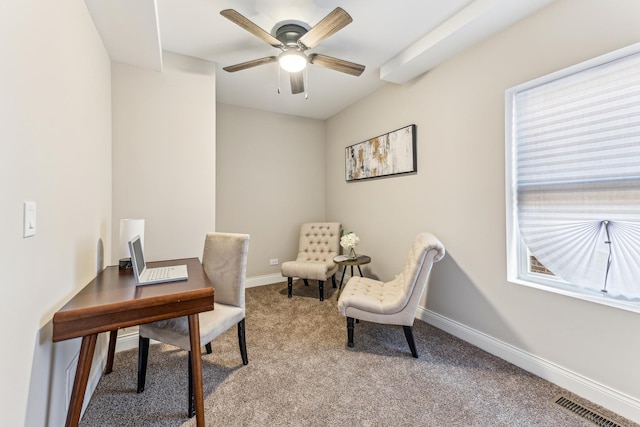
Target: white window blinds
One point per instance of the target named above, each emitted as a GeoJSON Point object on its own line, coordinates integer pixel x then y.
{"type": "Point", "coordinates": [577, 160]}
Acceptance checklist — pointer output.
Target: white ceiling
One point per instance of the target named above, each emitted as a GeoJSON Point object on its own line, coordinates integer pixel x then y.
{"type": "Point", "coordinates": [396, 41]}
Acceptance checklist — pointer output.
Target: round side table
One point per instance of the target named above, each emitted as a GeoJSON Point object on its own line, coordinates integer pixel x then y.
{"type": "Point", "coordinates": [345, 261]}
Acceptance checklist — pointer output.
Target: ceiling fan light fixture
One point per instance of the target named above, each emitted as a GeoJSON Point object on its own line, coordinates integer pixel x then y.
{"type": "Point", "coordinates": [292, 60]}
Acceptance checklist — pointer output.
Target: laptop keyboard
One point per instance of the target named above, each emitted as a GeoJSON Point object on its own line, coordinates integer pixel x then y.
{"type": "Point", "coordinates": [158, 273]}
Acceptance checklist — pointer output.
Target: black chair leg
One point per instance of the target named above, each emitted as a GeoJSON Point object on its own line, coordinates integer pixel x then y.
{"type": "Point", "coordinates": [321, 286]}
{"type": "Point", "coordinates": [289, 286]}
{"type": "Point", "coordinates": [143, 356]}
{"type": "Point", "coordinates": [191, 411]}
{"type": "Point", "coordinates": [242, 342]}
{"type": "Point", "coordinates": [306, 282]}
{"type": "Point", "coordinates": [208, 348]}
{"type": "Point", "coordinates": [350, 331]}
{"type": "Point", "coordinates": [408, 333]}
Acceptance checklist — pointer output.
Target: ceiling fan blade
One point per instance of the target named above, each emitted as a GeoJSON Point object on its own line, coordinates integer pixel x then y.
{"type": "Point", "coordinates": [336, 64]}
{"type": "Point", "coordinates": [250, 64]}
{"type": "Point", "coordinates": [248, 25]}
{"type": "Point", "coordinates": [297, 82]}
{"type": "Point", "coordinates": [329, 25]}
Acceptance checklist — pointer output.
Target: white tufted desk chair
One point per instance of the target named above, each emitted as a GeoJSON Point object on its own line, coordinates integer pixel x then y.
{"type": "Point", "coordinates": [225, 262]}
{"type": "Point", "coordinates": [394, 302]}
{"type": "Point", "coordinates": [319, 243]}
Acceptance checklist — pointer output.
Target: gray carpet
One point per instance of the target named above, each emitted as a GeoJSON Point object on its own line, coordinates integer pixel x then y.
{"type": "Point", "coordinates": [301, 373]}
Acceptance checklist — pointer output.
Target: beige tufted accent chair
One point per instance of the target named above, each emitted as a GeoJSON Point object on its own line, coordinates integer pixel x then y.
{"type": "Point", "coordinates": [394, 302]}
{"type": "Point", "coordinates": [319, 243]}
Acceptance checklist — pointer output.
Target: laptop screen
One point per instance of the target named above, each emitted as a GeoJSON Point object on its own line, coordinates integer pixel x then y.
{"type": "Point", "coordinates": [137, 258]}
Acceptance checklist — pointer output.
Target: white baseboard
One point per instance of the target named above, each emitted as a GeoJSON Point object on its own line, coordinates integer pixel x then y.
{"type": "Point", "coordinates": [267, 279]}
{"type": "Point", "coordinates": [614, 400]}
{"type": "Point", "coordinates": [127, 339]}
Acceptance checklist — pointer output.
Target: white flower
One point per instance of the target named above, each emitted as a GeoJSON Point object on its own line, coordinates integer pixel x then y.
{"type": "Point", "coordinates": [349, 240]}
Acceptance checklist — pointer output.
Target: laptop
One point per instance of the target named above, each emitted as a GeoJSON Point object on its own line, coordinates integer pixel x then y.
{"type": "Point", "coordinates": [148, 276]}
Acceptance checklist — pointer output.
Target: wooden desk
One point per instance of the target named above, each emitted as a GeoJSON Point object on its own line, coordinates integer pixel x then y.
{"type": "Point", "coordinates": [112, 301]}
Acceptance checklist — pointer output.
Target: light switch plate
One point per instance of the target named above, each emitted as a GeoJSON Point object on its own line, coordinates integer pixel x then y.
{"type": "Point", "coordinates": [29, 225]}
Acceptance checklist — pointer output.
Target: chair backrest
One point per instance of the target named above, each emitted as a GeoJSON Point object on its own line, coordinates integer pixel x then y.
{"type": "Point", "coordinates": [225, 261]}
{"type": "Point", "coordinates": [426, 250]}
{"type": "Point", "coordinates": [319, 241]}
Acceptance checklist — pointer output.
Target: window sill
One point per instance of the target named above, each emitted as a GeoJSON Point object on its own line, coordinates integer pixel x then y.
{"type": "Point", "coordinates": [567, 290]}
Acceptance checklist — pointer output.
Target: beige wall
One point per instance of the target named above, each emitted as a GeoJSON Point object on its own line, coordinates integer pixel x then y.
{"type": "Point", "coordinates": [458, 192]}
{"type": "Point", "coordinates": [55, 150]}
{"type": "Point", "coordinates": [164, 159]}
{"type": "Point", "coordinates": [270, 171]}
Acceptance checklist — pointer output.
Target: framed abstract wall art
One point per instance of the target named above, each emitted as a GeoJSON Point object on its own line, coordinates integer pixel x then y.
{"type": "Point", "coordinates": [393, 153]}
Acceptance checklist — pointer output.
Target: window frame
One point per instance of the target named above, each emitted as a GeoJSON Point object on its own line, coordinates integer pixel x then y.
{"type": "Point", "coordinates": [518, 271]}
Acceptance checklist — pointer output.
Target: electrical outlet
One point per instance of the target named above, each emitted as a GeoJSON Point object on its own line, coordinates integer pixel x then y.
{"type": "Point", "coordinates": [273, 261]}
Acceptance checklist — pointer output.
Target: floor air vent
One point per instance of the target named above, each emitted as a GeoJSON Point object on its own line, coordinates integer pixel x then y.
{"type": "Point", "coordinates": [583, 412]}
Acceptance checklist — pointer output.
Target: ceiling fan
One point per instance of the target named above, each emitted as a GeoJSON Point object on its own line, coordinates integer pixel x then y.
{"type": "Point", "coordinates": [294, 38]}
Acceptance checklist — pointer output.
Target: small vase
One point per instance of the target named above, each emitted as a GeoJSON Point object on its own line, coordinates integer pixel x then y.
{"type": "Point", "coordinates": [352, 253]}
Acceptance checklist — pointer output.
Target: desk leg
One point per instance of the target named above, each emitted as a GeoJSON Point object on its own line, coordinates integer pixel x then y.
{"type": "Point", "coordinates": [113, 337]}
{"type": "Point", "coordinates": [196, 364]}
{"type": "Point", "coordinates": [87, 348]}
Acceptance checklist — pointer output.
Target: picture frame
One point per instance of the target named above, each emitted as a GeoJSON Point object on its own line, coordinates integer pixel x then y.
{"type": "Point", "coordinates": [393, 153]}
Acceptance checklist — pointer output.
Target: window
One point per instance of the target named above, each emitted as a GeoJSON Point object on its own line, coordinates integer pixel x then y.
{"type": "Point", "coordinates": [573, 180]}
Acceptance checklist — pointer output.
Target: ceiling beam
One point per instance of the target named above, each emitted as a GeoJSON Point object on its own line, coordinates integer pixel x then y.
{"type": "Point", "coordinates": [130, 31]}
{"type": "Point", "coordinates": [474, 23]}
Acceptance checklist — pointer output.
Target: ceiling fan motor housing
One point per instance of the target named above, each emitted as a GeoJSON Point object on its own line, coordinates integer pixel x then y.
{"type": "Point", "coordinates": [289, 34]}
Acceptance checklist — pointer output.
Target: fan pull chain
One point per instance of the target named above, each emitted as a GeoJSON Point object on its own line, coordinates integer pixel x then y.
{"type": "Point", "coordinates": [608, 242]}
{"type": "Point", "coordinates": [279, 79]}
{"type": "Point", "coordinates": [306, 86]}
